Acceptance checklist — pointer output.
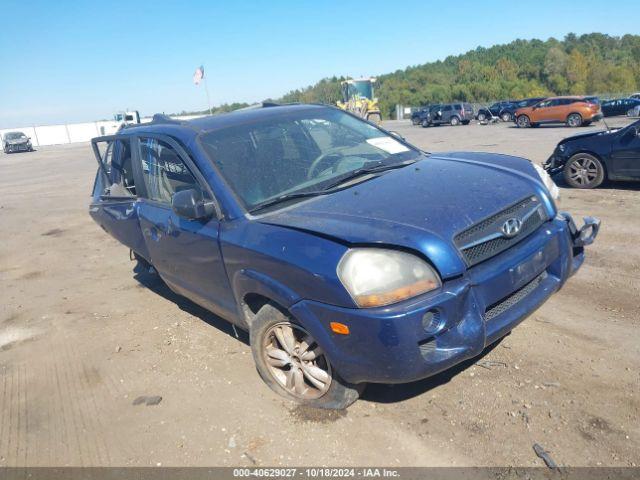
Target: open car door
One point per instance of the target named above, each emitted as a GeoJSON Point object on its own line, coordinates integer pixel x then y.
{"type": "Point", "coordinates": [114, 203]}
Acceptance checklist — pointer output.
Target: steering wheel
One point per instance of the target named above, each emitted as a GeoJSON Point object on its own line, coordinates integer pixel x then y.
{"type": "Point", "coordinates": [321, 158]}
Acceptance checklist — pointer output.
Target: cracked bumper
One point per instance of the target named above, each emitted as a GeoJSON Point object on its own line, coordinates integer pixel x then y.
{"type": "Point", "coordinates": [398, 343]}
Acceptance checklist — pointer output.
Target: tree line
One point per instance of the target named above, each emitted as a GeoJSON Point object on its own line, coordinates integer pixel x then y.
{"type": "Point", "coordinates": [593, 63]}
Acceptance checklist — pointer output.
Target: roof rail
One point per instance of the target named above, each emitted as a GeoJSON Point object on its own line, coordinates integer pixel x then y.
{"type": "Point", "coordinates": [270, 104]}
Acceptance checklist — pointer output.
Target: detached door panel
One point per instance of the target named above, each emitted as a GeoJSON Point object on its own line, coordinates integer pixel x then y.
{"type": "Point", "coordinates": [185, 252]}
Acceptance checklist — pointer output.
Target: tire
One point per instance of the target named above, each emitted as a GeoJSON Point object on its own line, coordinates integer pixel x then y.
{"type": "Point", "coordinates": [425, 123]}
{"type": "Point", "coordinates": [455, 121]}
{"type": "Point", "coordinates": [505, 117]}
{"type": "Point", "coordinates": [574, 120]}
{"type": "Point", "coordinates": [415, 121]}
{"type": "Point", "coordinates": [523, 121]}
{"type": "Point", "coordinates": [278, 344]}
{"type": "Point", "coordinates": [583, 171]}
{"type": "Point", "coordinates": [482, 117]}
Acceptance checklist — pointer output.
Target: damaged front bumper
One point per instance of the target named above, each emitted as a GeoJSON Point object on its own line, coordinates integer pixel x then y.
{"type": "Point", "coordinates": [430, 333]}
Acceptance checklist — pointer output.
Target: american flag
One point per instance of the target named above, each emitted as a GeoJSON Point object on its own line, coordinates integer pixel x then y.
{"type": "Point", "coordinates": [198, 75]}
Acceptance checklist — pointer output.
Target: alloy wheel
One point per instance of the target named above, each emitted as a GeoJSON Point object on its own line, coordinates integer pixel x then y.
{"type": "Point", "coordinates": [574, 120]}
{"type": "Point", "coordinates": [523, 121]}
{"type": "Point", "coordinates": [583, 171]}
{"type": "Point", "coordinates": [296, 361]}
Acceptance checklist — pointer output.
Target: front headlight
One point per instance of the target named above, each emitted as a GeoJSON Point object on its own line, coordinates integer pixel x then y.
{"type": "Point", "coordinates": [375, 277]}
{"type": "Point", "coordinates": [548, 182]}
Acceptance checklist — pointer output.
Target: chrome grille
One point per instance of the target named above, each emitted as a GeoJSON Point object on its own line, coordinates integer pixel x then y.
{"type": "Point", "coordinates": [506, 303]}
{"type": "Point", "coordinates": [485, 239]}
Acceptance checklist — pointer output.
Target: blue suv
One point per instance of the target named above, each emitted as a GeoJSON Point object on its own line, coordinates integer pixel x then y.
{"type": "Point", "coordinates": [348, 254]}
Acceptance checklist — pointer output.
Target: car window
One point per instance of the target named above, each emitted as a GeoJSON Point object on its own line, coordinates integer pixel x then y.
{"type": "Point", "coordinates": [300, 151]}
{"type": "Point", "coordinates": [163, 170]}
{"type": "Point", "coordinates": [447, 108]}
{"type": "Point", "coordinates": [115, 156]}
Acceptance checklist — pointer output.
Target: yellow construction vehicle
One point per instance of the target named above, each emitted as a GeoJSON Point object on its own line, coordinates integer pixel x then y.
{"type": "Point", "coordinates": [357, 98]}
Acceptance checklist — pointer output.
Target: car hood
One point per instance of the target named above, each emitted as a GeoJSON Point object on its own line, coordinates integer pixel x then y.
{"type": "Point", "coordinates": [420, 207]}
{"type": "Point", "coordinates": [582, 136]}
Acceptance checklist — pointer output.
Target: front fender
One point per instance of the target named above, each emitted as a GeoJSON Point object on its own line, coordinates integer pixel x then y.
{"type": "Point", "coordinates": [281, 264]}
{"type": "Point", "coordinates": [247, 281]}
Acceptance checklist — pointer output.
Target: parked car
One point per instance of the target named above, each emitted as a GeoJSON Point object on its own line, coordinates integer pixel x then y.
{"type": "Point", "coordinates": [619, 106]}
{"type": "Point", "coordinates": [593, 99]}
{"type": "Point", "coordinates": [587, 160]}
{"type": "Point", "coordinates": [348, 254]}
{"type": "Point", "coordinates": [483, 114]}
{"type": "Point", "coordinates": [573, 111]}
{"type": "Point", "coordinates": [497, 107]}
{"type": "Point", "coordinates": [452, 113]}
{"type": "Point", "coordinates": [417, 114]}
{"type": "Point", "coordinates": [635, 95]}
{"type": "Point", "coordinates": [508, 113]}
{"type": "Point", "coordinates": [16, 142]}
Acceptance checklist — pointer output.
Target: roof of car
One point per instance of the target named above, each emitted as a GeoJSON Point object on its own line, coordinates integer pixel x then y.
{"type": "Point", "coordinates": [569, 97]}
{"type": "Point", "coordinates": [215, 122]}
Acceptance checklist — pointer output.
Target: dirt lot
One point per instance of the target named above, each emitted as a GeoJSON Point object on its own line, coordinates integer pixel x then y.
{"type": "Point", "coordinates": [81, 336]}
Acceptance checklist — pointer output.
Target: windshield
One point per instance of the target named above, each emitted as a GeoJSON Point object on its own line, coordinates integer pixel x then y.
{"type": "Point", "coordinates": [298, 151]}
{"type": "Point", "coordinates": [361, 89]}
{"type": "Point", "coordinates": [14, 135]}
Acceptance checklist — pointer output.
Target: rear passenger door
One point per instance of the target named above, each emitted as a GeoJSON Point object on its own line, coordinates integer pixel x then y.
{"type": "Point", "coordinates": [447, 111]}
{"type": "Point", "coordinates": [184, 251]}
{"type": "Point", "coordinates": [114, 202]}
{"type": "Point", "coordinates": [547, 111]}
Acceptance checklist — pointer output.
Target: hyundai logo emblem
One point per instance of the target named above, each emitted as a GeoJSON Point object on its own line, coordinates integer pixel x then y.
{"type": "Point", "coordinates": [511, 227]}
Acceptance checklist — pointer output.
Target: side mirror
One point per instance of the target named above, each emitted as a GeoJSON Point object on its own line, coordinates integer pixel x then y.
{"type": "Point", "coordinates": [397, 135]}
{"type": "Point", "coordinates": [191, 204]}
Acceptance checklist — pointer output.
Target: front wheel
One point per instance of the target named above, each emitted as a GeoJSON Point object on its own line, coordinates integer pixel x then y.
{"type": "Point", "coordinates": [291, 362]}
{"type": "Point", "coordinates": [506, 117]}
{"type": "Point", "coordinates": [574, 120]}
{"type": "Point", "coordinates": [415, 121]}
{"type": "Point", "coordinates": [482, 117]}
{"type": "Point", "coordinates": [583, 171]}
{"type": "Point", "coordinates": [523, 121]}
{"type": "Point", "coordinates": [425, 123]}
{"type": "Point", "coordinates": [455, 121]}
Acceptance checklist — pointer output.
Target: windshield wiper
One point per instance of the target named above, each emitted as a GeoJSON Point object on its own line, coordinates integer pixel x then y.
{"type": "Point", "coordinates": [377, 168]}
{"type": "Point", "coordinates": [287, 196]}
{"type": "Point", "coordinates": [332, 187]}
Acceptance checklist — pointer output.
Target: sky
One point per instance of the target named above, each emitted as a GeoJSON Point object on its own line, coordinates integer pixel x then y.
{"type": "Point", "coordinates": [70, 61]}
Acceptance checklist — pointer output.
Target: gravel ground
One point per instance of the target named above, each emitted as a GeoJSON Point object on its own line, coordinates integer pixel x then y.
{"type": "Point", "coordinates": [82, 336]}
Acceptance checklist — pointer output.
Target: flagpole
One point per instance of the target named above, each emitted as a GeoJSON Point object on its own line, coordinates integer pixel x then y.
{"type": "Point", "coordinates": [206, 89]}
